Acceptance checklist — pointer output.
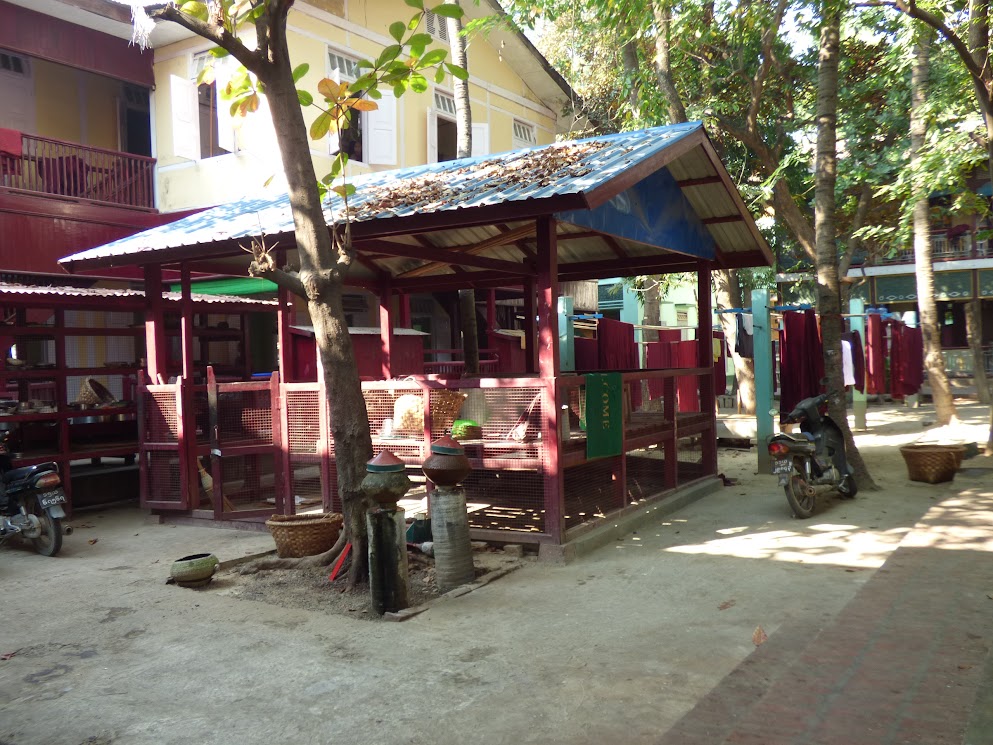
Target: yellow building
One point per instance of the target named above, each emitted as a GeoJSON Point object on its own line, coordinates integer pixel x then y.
{"type": "Point", "coordinates": [206, 157]}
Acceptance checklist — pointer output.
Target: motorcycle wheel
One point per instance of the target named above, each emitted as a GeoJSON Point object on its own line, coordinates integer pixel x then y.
{"type": "Point", "coordinates": [50, 541]}
{"type": "Point", "coordinates": [800, 495]}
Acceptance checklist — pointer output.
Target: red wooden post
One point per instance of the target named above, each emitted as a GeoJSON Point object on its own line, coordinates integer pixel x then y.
{"type": "Point", "coordinates": [186, 321]}
{"type": "Point", "coordinates": [280, 448]}
{"type": "Point", "coordinates": [491, 319]}
{"type": "Point", "coordinates": [705, 339]}
{"type": "Point", "coordinates": [670, 466]}
{"type": "Point", "coordinates": [386, 329]}
{"type": "Point", "coordinates": [216, 468]}
{"type": "Point", "coordinates": [546, 344]}
{"type": "Point", "coordinates": [405, 320]}
{"type": "Point", "coordinates": [284, 310]}
{"type": "Point", "coordinates": [61, 399]}
{"type": "Point", "coordinates": [530, 327]}
{"type": "Point", "coordinates": [155, 348]}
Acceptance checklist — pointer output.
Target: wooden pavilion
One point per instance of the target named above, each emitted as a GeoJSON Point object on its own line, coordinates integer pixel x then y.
{"type": "Point", "coordinates": [647, 202]}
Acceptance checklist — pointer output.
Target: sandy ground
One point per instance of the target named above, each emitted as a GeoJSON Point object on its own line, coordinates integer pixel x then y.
{"type": "Point", "coordinates": [613, 647]}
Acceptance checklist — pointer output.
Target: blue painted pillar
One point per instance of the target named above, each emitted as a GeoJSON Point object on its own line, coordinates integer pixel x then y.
{"type": "Point", "coordinates": [763, 377]}
{"type": "Point", "coordinates": [856, 307]}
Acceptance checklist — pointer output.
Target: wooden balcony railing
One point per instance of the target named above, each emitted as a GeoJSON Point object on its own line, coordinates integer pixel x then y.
{"type": "Point", "coordinates": [47, 166]}
{"type": "Point", "coordinates": [943, 248]}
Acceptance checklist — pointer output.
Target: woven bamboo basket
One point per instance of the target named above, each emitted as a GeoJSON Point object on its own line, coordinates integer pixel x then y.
{"type": "Point", "coordinates": [304, 535]}
{"type": "Point", "coordinates": [93, 392]}
{"type": "Point", "coordinates": [932, 464]}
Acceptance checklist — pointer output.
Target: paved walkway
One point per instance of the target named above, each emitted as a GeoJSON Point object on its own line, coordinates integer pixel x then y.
{"type": "Point", "coordinates": [906, 661]}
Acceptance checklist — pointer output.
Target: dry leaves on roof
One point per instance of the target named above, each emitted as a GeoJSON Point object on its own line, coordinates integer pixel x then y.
{"type": "Point", "coordinates": [533, 168]}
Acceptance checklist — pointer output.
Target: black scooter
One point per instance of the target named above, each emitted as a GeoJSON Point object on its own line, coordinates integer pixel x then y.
{"type": "Point", "coordinates": [31, 500]}
{"type": "Point", "coordinates": [814, 458]}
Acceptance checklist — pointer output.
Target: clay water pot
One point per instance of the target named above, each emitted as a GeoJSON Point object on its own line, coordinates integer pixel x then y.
{"type": "Point", "coordinates": [447, 465]}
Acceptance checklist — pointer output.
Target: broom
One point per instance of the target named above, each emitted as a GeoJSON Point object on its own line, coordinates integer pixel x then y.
{"type": "Point", "coordinates": [207, 482]}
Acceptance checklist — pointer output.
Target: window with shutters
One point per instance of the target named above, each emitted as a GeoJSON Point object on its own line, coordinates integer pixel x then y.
{"type": "Point", "coordinates": [349, 141]}
{"type": "Point", "coordinates": [437, 26]}
{"type": "Point", "coordinates": [443, 133]}
{"type": "Point", "coordinates": [371, 135]}
{"type": "Point", "coordinates": [524, 134]}
{"type": "Point", "coordinates": [12, 64]}
{"type": "Point", "coordinates": [216, 129]}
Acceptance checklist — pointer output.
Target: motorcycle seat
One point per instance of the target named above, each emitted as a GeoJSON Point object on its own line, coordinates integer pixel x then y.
{"type": "Point", "coordinates": [21, 474]}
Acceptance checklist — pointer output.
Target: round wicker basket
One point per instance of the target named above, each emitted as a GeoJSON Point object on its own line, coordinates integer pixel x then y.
{"type": "Point", "coordinates": [93, 392]}
{"type": "Point", "coordinates": [304, 535]}
{"type": "Point", "coordinates": [932, 464]}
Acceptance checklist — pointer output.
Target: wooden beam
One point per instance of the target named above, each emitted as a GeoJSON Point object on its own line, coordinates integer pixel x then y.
{"type": "Point", "coordinates": [508, 237]}
{"type": "Point", "coordinates": [705, 181]}
{"type": "Point", "coordinates": [721, 220]}
{"type": "Point", "coordinates": [440, 257]}
{"type": "Point", "coordinates": [615, 246]}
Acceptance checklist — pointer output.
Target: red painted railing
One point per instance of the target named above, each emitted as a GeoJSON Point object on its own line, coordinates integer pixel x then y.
{"type": "Point", "coordinates": [47, 166]}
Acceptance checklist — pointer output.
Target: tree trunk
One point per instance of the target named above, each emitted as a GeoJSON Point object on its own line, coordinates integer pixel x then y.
{"type": "Point", "coordinates": [463, 136]}
{"type": "Point", "coordinates": [728, 294]}
{"type": "Point", "coordinates": [663, 71]}
{"type": "Point", "coordinates": [974, 330]}
{"type": "Point", "coordinates": [934, 364]}
{"type": "Point", "coordinates": [825, 178]}
{"type": "Point", "coordinates": [321, 270]}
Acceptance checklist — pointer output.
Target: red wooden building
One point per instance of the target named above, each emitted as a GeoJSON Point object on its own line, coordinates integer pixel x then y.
{"type": "Point", "coordinates": [647, 202]}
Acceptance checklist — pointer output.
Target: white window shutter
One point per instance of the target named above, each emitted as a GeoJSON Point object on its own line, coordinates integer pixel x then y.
{"type": "Point", "coordinates": [480, 140]}
{"type": "Point", "coordinates": [432, 136]}
{"type": "Point", "coordinates": [381, 132]}
{"type": "Point", "coordinates": [185, 118]}
{"type": "Point", "coordinates": [225, 122]}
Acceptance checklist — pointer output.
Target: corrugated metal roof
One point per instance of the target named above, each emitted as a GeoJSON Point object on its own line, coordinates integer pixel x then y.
{"type": "Point", "coordinates": [583, 169]}
{"type": "Point", "coordinates": [8, 290]}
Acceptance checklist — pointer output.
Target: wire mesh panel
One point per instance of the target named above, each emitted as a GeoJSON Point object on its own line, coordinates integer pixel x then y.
{"type": "Point", "coordinates": [510, 422]}
{"type": "Point", "coordinates": [244, 417]}
{"type": "Point", "coordinates": [303, 410]}
{"type": "Point", "coordinates": [306, 484]}
{"type": "Point", "coordinates": [161, 417]}
{"type": "Point", "coordinates": [591, 492]}
{"type": "Point", "coordinates": [506, 500]}
{"type": "Point", "coordinates": [248, 482]}
{"type": "Point", "coordinates": [690, 465]}
{"type": "Point", "coordinates": [645, 474]}
{"type": "Point", "coordinates": [164, 476]}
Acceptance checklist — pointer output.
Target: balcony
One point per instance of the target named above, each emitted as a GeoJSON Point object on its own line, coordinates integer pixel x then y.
{"type": "Point", "coordinates": [42, 165]}
{"type": "Point", "coordinates": [943, 248]}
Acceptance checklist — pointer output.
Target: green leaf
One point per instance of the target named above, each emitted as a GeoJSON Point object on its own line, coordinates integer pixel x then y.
{"type": "Point", "coordinates": [389, 54]}
{"type": "Point", "coordinates": [299, 71]}
{"type": "Point", "coordinates": [460, 72]}
{"type": "Point", "coordinates": [364, 82]}
{"type": "Point", "coordinates": [345, 190]}
{"type": "Point", "coordinates": [196, 9]}
{"type": "Point", "coordinates": [414, 22]}
{"type": "Point", "coordinates": [399, 89]}
{"type": "Point", "coordinates": [206, 76]}
{"type": "Point", "coordinates": [448, 10]}
{"type": "Point", "coordinates": [419, 4]}
{"type": "Point", "coordinates": [374, 93]}
{"type": "Point", "coordinates": [418, 83]}
{"type": "Point", "coordinates": [218, 52]}
{"type": "Point", "coordinates": [420, 40]}
{"type": "Point", "coordinates": [397, 29]}
{"type": "Point", "coordinates": [268, 181]}
{"type": "Point", "coordinates": [439, 75]}
{"type": "Point", "coordinates": [305, 98]}
{"type": "Point", "coordinates": [322, 189]}
{"type": "Point", "coordinates": [321, 126]}
{"type": "Point", "coordinates": [432, 58]}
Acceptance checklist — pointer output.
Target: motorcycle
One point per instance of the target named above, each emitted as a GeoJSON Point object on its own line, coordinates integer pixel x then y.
{"type": "Point", "coordinates": [31, 500]}
{"type": "Point", "coordinates": [816, 457]}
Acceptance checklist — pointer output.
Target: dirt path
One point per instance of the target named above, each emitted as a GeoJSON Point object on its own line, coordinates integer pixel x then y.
{"type": "Point", "coordinates": [615, 646]}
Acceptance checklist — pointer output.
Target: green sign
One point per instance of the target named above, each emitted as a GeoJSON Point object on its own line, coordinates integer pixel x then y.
{"type": "Point", "coordinates": [903, 287]}
{"type": "Point", "coordinates": [604, 415]}
{"type": "Point", "coordinates": [986, 283]}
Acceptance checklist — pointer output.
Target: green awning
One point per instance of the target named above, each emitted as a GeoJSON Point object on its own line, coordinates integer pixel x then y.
{"type": "Point", "coordinates": [240, 286]}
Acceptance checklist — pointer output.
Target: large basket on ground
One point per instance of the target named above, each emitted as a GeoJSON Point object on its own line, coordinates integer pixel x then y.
{"type": "Point", "coordinates": [932, 464]}
{"type": "Point", "coordinates": [304, 535]}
